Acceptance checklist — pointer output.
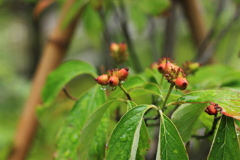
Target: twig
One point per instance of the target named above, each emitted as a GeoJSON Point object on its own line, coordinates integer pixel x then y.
{"type": "Point", "coordinates": [209, 51]}
{"type": "Point", "coordinates": [124, 28]}
{"type": "Point", "coordinates": [203, 46]}
{"type": "Point", "coordinates": [211, 132]}
{"type": "Point", "coordinates": [68, 94]}
{"type": "Point", "coordinates": [52, 56]}
{"type": "Point", "coordinates": [107, 38]}
{"type": "Point", "coordinates": [125, 92]}
{"type": "Point", "coordinates": [170, 32]}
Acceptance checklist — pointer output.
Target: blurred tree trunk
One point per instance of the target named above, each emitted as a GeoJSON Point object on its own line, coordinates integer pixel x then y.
{"type": "Point", "coordinates": [170, 32]}
{"type": "Point", "coordinates": [52, 56]}
{"type": "Point", "coordinates": [196, 22]}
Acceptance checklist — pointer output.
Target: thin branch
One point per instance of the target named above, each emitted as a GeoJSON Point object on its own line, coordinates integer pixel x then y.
{"type": "Point", "coordinates": [209, 51]}
{"type": "Point", "coordinates": [52, 56]}
{"type": "Point", "coordinates": [107, 38]}
{"type": "Point", "coordinates": [124, 27]}
{"type": "Point", "coordinates": [211, 132]}
{"type": "Point", "coordinates": [170, 32]}
{"type": "Point", "coordinates": [203, 46]}
{"type": "Point", "coordinates": [68, 94]}
{"type": "Point", "coordinates": [125, 92]}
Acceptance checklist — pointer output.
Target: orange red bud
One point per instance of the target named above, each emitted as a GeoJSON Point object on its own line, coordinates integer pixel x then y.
{"type": "Point", "coordinates": [113, 81]}
{"type": "Point", "coordinates": [103, 79]}
{"type": "Point", "coordinates": [122, 74]}
{"type": "Point", "coordinates": [122, 47]}
{"type": "Point", "coordinates": [114, 47]}
{"type": "Point", "coordinates": [212, 109]}
{"type": "Point", "coordinates": [181, 83]}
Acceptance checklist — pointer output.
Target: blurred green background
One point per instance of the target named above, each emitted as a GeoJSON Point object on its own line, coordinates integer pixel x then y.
{"type": "Point", "coordinates": [22, 39]}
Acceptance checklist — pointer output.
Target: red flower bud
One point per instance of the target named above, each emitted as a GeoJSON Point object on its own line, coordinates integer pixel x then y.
{"type": "Point", "coordinates": [122, 47]}
{"type": "Point", "coordinates": [103, 79]}
{"type": "Point", "coordinates": [181, 83]}
{"type": "Point", "coordinates": [113, 81]}
{"type": "Point", "coordinates": [114, 47]}
{"type": "Point", "coordinates": [166, 67]}
{"type": "Point", "coordinates": [122, 74]}
{"type": "Point", "coordinates": [212, 109]}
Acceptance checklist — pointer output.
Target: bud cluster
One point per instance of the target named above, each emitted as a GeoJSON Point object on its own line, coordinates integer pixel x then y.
{"type": "Point", "coordinates": [190, 67]}
{"type": "Point", "coordinates": [212, 109]}
{"type": "Point", "coordinates": [173, 73]}
{"type": "Point", "coordinates": [113, 78]}
{"type": "Point", "coordinates": [119, 52]}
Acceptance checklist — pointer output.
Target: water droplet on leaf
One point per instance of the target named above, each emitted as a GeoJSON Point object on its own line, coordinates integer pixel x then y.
{"type": "Point", "coordinates": [103, 88]}
{"type": "Point", "coordinates": [218, 140]}
{"type": "Point", "coordinates": [123, 82]}
{"type": "Point", "coordinates": [123, 138]}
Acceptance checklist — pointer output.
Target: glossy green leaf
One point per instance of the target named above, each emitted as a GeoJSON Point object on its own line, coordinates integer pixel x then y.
{"type": "Point", "coordinates": [170, 144]}
{"type": "Point", "coordinates": [89, 129]}
{"type": "Point", "coordinates": [227, 100]}
{"type": "Point", "coordinates": [225, 144]}
{"type": "Point", "coordinates": [67, 142]}
{"type": "Point", "coordinates": [185, 117]}
{"type": "Point", "coordinates": [62, 75]}
{"type": "Point", "coordinates": [123, 143]}
{"type": "Point", "coordinates": [200, 80]}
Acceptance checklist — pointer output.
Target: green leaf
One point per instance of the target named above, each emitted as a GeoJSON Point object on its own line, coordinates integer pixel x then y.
{"type": "Point", "coordinates": [67, 142]}
{"type": "Point", "coordinates": [170, 144]}
{"type": "Point", "coordinates": [228, 101]}
{"type": "Point", "coordinates": [148, 88]}
{"type": "Point", "coordinates": [130, 105]}
{"type": "Point", "coordinates": [201, 81]}
{"type": "Point", "coordinates": [225, 144]}
{"type": "Point", "coordinates": [75, 8]}
{"type": "Point", "coordinates": [92, 23]}
{"type": "Point", "coordinates": [62, 75]}
{"type": "Point", "coordinates": [89, 128]}
{"type": "Point", "coordinates": [144, 142]}
{"type": "Point", "coordinates": [153, 75]}
{"type": "Point", "coordinates": [185, 117]}
{"type": "Point", "coordinates": [155, 7]}
{"type": "Point", "coordinates": [123, 143]}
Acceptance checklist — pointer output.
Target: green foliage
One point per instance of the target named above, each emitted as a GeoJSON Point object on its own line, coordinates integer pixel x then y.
{"type": "Point", "coordinates": [228, 101]}
{"type": "Point", "coordinates": [67, 143]}
{"type": "Point", "coordinates": [91, 132]}
{"type": "Point", "coordinates": [123, 143]}
{"type": "Point", "coordinates": [61, 76]}
{"type": "Point", "coordinates": [185, 117]}
{"type": "Point", "coordinates": [225, 144]}
{"type": "Point", "coordinates": [170, 145]}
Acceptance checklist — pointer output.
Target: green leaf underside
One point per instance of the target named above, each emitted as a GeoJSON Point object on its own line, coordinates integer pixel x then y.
{"type": "Point", "coordinates": [228, 100]}
{"type": "Point", "coordinates": [89, 128]}
{"type": "Point", "coordinates": [67, 142]}
{"type": "Point", "coordinates": [185, 117]}
{"type": "Point", "coordinates": [225, 144]}
{"type": "Point", "coordinates": [62, 75]}
{"type": "Point", "coordinates": [144, 142]}
{"type": "Point", "coordinates": [123, 143]}
{"type": "Point", "coordinates": [170, 145]}
{"type": "Point", "coordinates": [148, 88]}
